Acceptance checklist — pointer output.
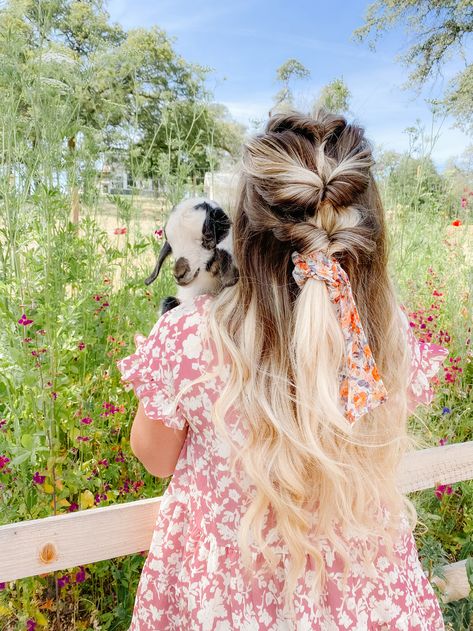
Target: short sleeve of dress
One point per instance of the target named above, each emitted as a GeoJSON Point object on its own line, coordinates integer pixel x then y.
{"type": "Point", "coordinates": [426, 360]}
{"type": "Point", "coordinates": [153, 370]}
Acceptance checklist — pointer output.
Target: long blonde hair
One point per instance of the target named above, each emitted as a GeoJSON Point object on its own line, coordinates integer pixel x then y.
{"type": "Point", "coordinates": [306, 185]}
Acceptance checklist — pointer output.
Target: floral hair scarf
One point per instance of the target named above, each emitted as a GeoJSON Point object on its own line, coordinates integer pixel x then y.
{"type": "Point", "coordinates": [360, 385]}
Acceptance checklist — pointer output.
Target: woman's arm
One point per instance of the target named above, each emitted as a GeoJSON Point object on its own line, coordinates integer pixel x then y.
{"type": "Point", "coordinates": [155, 445]}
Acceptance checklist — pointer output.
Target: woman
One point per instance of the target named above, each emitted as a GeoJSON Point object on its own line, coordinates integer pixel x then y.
{"type": "Point", "coordinates": [283, 404]}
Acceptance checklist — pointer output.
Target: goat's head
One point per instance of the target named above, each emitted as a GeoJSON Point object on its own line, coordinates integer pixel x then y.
{"type": "Point", "coordinates": [198, 235]}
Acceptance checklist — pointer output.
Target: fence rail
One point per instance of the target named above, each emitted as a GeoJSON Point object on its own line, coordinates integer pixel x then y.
{"type": "Point", "coordinates": [44, 545]}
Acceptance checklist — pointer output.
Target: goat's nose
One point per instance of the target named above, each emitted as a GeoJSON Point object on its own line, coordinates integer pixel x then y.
{"type": "Point", "coordinates": [181, 268]}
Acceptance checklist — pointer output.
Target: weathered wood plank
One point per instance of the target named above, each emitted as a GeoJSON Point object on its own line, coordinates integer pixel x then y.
{"type": "Point", "coordinates": [426, 468]}
{"type": "Point", "coordinates": [55, 543]}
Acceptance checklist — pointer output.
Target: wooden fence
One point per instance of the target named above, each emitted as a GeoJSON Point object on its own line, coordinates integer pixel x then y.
{"type": "Point", "coordinates": [34, 547]}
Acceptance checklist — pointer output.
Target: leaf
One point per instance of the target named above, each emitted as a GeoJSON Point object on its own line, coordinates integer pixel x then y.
{"type": "Point", "coordinates": [21, 458]}
{"type": "Point", "coordinates": [41, 619]}
{"type": "Point", "coordinates": [48, 488]}
{"type": "Point", "coordinates": [27, 441]}
{"type": "Point", "coordinates": [86, 500]}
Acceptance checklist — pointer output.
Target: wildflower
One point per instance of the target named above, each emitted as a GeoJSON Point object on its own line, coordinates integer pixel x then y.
{"type": "Point", "coordinates": [54, 395]}
{"type": "Point", "coordinates": [31, 624]}
{"type": "Point", "coordinates": [80, 575]}
{"type": "Point", "coordinates": [441, 489]}
{"type": "Point", "coordinates": [464, 202]}
{"type": "Point", "coordinates": [158, 233]}
{"type": "Point", "coordinates": [99, 497]}
{"type": "Point", "coordinates": [3, 422]}
{"type": "Point", "coordinates": [83, 439]}
{"type": "Point", "coordinates": [457, 222]}
{"type": "Point", "coordinates": [63, 580]}
{"type": "Point", "coordinates": [103, 462]}
{"type": "Point", "coordinates": [41, 332]}
{"type": "Point", "coordinates": [119, 231]}
{"type": "Point", "coordinates": [24, 320]}
{"type": "Point", "coordinates": [86, 420]}
{"type": "Point", "coordinates": [2, 586]}
{"type": "Point", "coordinates": [97, 297]}
{"type": "Point", "coordinates": [27, 339]}
{"type": "Point", "coordinates": [446, 410]}
{"type": "Point", "coordinates": [38, 479]}
{"type": "Point", "coordinates": [443, 441]}
{"type": "Point", "coordinates": [107, 281]}
{"type": "Point", "coordinates": [120, 457]}
{"type": "Point", "coordinates": [73, 507]}
{"type": "Point", "coordinates": [3, 461]}
{"type": "Point", "coordinates": [81, 346]}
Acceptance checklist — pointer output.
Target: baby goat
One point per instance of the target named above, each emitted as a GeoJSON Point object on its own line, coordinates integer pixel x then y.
{"type": "Point", "coordinates": [198, 234]}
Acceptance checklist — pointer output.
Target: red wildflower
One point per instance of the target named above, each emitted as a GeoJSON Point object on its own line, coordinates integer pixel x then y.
{"type": "Point", "coordinates": [457, 222]}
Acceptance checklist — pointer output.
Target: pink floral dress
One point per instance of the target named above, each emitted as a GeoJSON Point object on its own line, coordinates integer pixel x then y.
{"type": "Point", "coordinates": [192, 579]}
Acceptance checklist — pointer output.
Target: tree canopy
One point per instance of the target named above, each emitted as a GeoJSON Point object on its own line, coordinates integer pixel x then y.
{"type": "Point", "coordinates": [441, 29]}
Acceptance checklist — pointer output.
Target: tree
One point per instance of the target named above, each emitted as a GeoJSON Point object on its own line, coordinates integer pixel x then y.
{"type": "Point", "coordinates": [77, 87]}
{"type": "Point", "coordinates": [289, 71]}
{"type": "Point", "coordinates": [441, 28]}
{"type": "Point", "coordinates": [334, 97]}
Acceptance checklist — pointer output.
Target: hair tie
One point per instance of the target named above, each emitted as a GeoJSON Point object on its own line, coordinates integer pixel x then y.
{"type": "Point", "coordinates": [361, 387]}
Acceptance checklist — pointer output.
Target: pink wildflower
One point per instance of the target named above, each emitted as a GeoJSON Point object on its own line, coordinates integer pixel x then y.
{"type": "Point", "coordinates": [24, 320]}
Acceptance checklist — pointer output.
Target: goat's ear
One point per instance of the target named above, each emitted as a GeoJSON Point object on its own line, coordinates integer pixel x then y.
{"type": "Point", "coordinates": [216, 226]}
{"type": "Point", "coordinates": [165, 252]}
{"type": "Point", "coordinates": [227, 271]}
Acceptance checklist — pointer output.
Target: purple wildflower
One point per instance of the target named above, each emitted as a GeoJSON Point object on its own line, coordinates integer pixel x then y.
{"type": "Point", "coordinates": [31, 624]}
{"type": "Point", "coordinates": [38, 479]}
{"type": "Point", "coordinates": [80, 575]}
{"type": "Point", "coordinates": [73, 507]}
{"type": "Point", "coordinates": [446, 410]}
{"type": "Point", "coordinates": [86, 420]}
{"type": "Point", "coordinates": [3, 461]}
{"type": "Point", "coordinates": [2, 586]}
{"type": "Point", "coordinates": [83, 439]}
{"type": "Point", "coordinates": [24, 320]}
{"type": "Point", "coordinates": [63, 580]}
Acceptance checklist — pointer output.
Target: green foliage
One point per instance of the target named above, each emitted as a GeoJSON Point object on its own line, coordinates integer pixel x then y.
{"type": "Point", "coordinates": [334, 97]}
{"type": "Point", "coordinates": [290, 71]}
{"type": "Point", "coordinates": [440, 30]}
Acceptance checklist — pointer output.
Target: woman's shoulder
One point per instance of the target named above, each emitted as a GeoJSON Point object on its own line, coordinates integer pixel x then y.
{"type": "Point", "coordinates": [184, 320]}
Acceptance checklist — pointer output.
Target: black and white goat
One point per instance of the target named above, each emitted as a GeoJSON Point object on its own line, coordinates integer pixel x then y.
{"type": "Point", "coordinates": [199, 236]}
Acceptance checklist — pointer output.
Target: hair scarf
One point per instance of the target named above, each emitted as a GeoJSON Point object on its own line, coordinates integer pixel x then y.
{"type": "Point", "coordinates": [360, 385]}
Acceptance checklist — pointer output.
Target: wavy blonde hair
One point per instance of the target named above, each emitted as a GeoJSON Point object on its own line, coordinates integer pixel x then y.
{"type": "Point", "coordinates": [306, 184]}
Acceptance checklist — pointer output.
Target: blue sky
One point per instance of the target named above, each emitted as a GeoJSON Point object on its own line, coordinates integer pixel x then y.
{"type": "Point", "coordinates": [245, 41]}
